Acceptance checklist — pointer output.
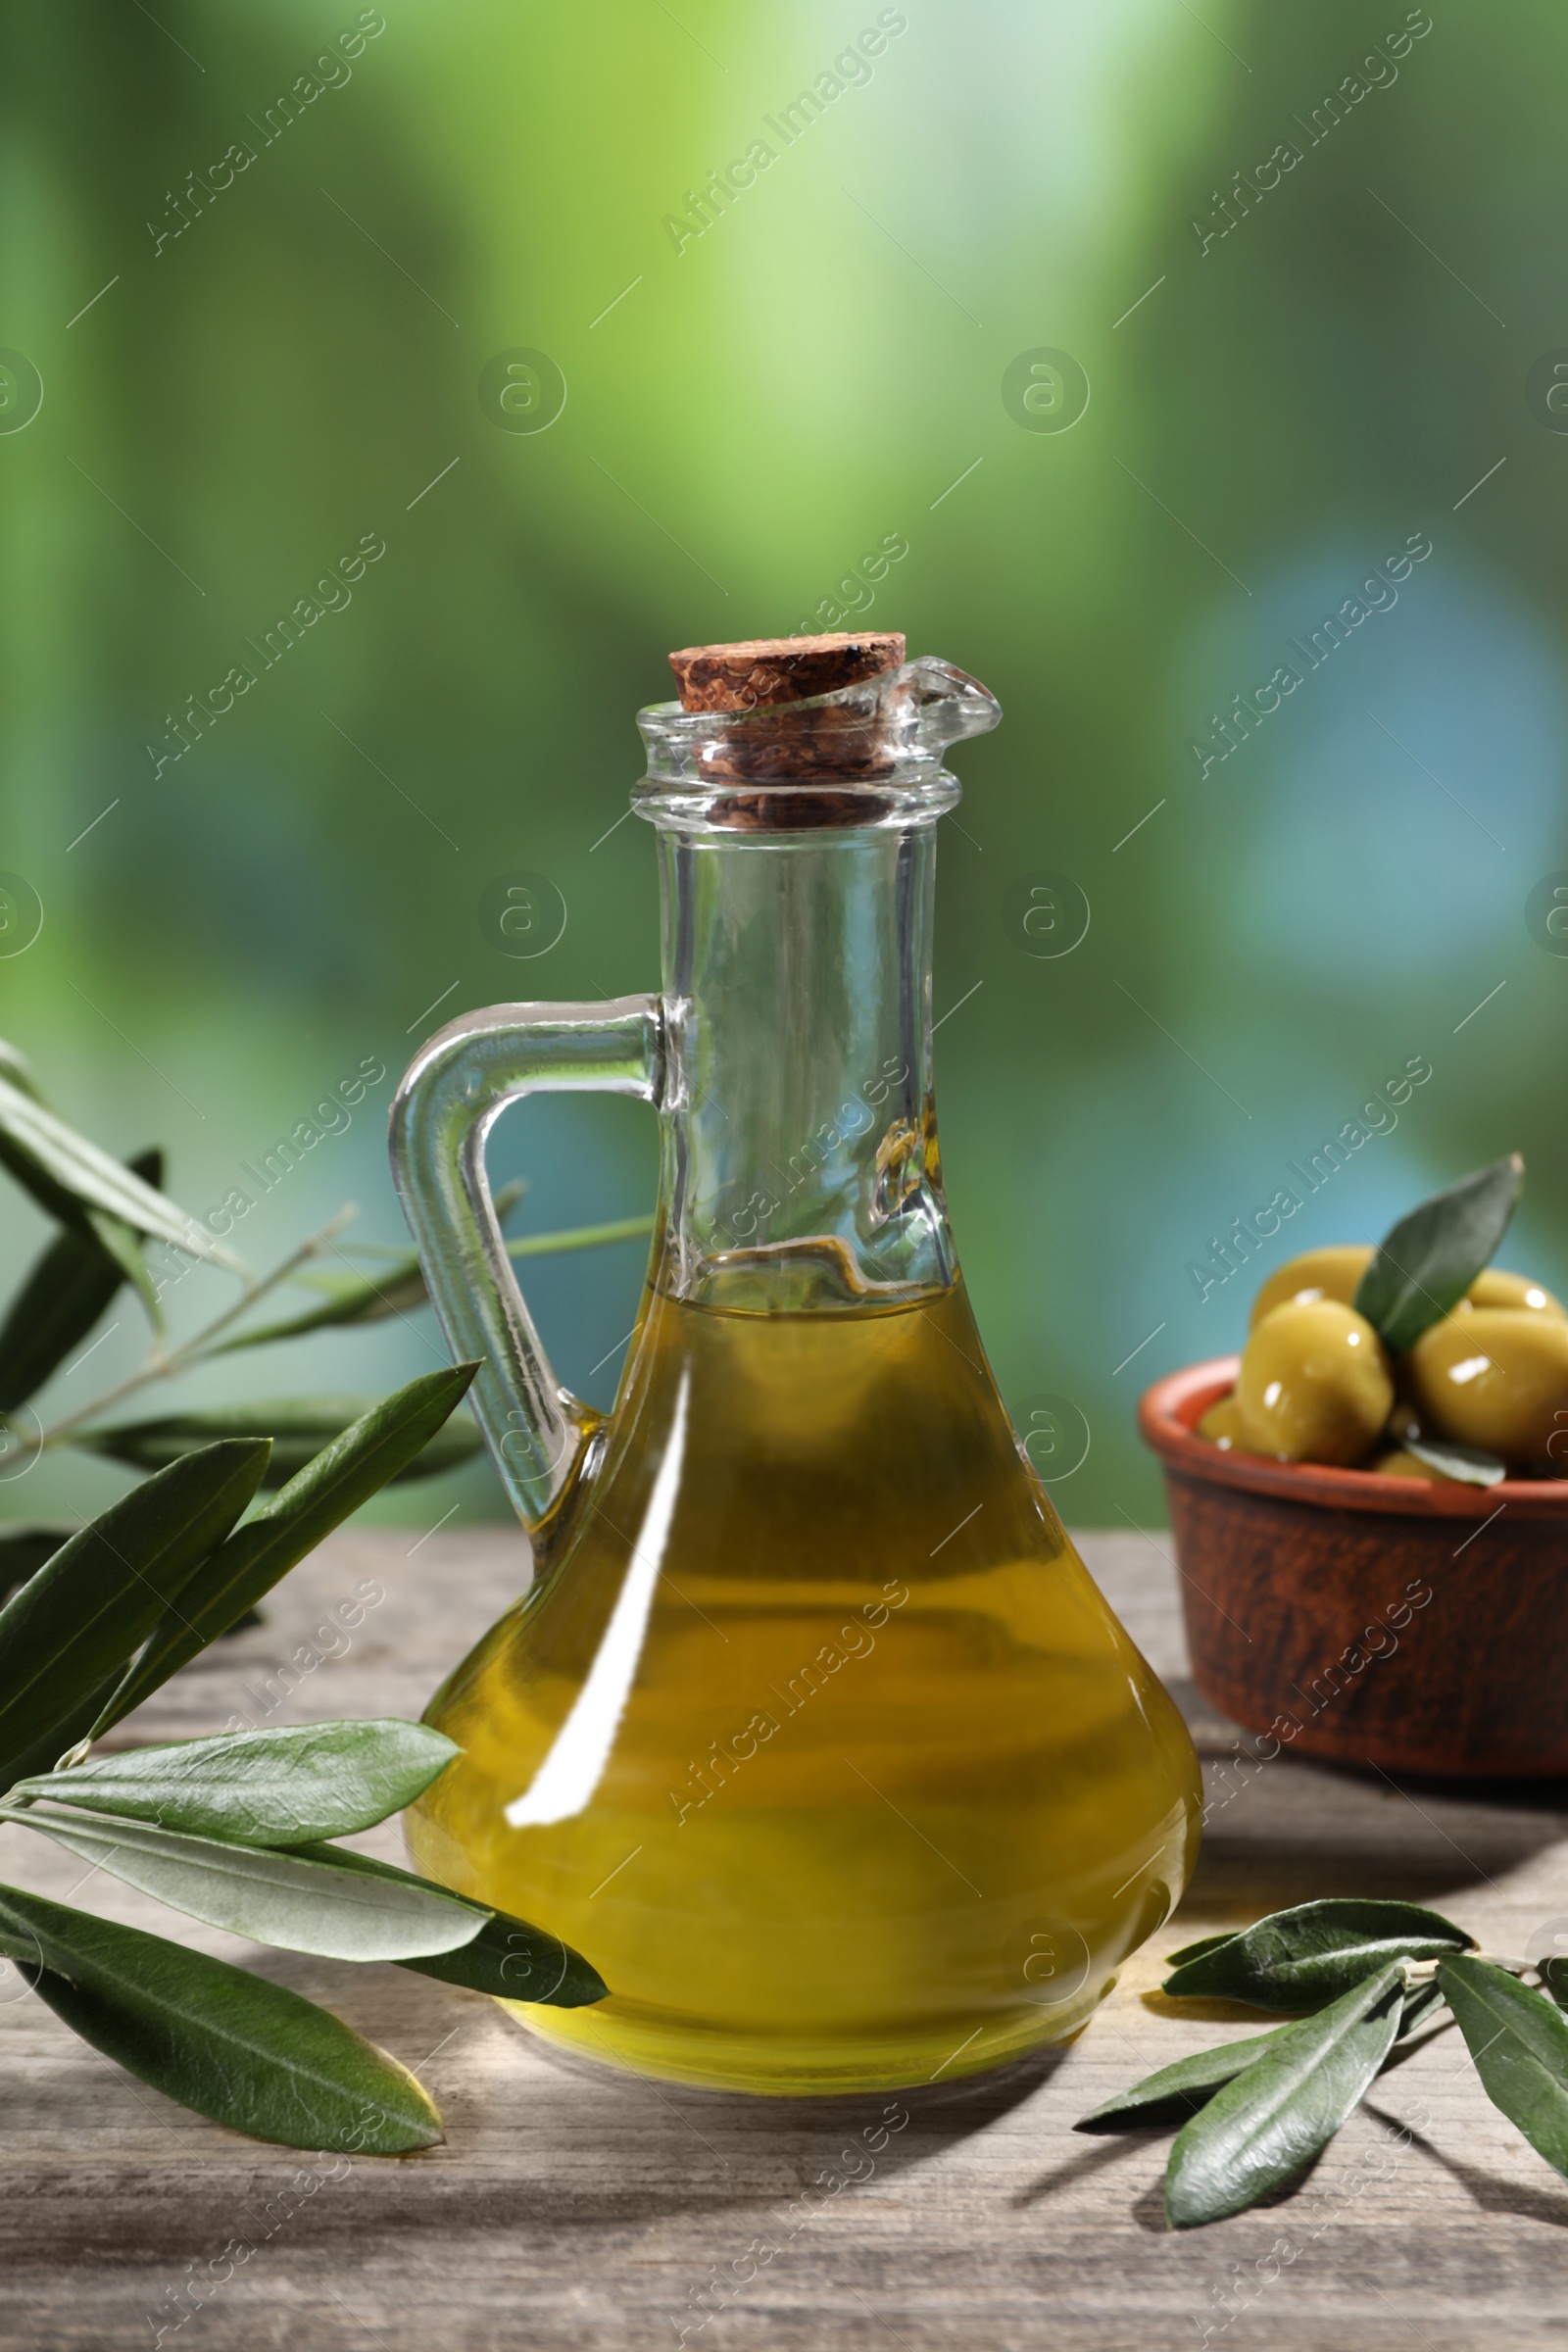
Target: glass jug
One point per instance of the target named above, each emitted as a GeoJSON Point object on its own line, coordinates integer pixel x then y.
{"type": "Point", "coordinates": [811, 1731]}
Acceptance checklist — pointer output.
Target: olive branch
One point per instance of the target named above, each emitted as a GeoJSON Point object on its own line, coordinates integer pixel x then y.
{"type": "Point", "coordinates": [236, 1831]}
{"type": "Point", "coordinates": [1254, 2113]}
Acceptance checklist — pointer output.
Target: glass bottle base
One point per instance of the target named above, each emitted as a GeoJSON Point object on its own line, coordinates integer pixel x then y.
{"type": "Point", "coordinates": [776, 2067]}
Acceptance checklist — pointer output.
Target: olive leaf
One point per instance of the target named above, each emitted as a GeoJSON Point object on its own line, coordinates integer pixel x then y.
{"type": "Point", "coordinates": [66, 1175]}
{"type": "Point", "coordinates": [282, 1787]}
{"type": "Point", "coordinates": [351, 1299]}
{"type": "Point", "coordinates": [516, 1962]}
{"type": "Point", "coordinates": [1297, 1959]}
{"type": "Point", "coordinates": [248, 2053]}
{"type": "Point", "coordinates": [1272, 2118]}
{"type": "Point", "coordinates": [67, 1292]}
{"type": "Point", "coordinates": [1467, 1463]}
{"type": "Point", "coordinates": [122, 1244]}
{"type": "Point", "coordinates": [60, 1737]}
{"type": "Point", "coordinates": [399, 1289]}
{"type": "Point", "coordinates": [507, 1200]}
{"type": "Point", "coordinates": [1519, 2041]}
{"type": "Point", "coordinates": [24, 1545]}
{"type": "Point", "coordinates": [1204, 1943]}
{"type": "Point", "coordinates": [347, 1473]}
{"type": "Point", "coordinates": [85, 1612]}
{"type": "Point", "coordinates": [298, 1428]}
{"type": "Point", "coordinates": [580, 1237]}
{"type": "Point", "coordinates": [508, 1957]}
{"type": "Point", "coordinates": [1426, 1263]}
{"type": "Point", "coordinates": [1176, 2092]}
{"type": "Point", "coordinates": [19, 1071]}
{"type": "Point", "coordinates": [305, 1903]}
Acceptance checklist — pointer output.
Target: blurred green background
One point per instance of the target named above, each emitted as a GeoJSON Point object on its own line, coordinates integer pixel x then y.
{"type": "Point", "coordinates": [245, 377]}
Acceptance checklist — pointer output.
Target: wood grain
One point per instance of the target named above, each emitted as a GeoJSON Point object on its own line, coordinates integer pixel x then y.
{"type": "Point", "coordinates": [585, 2210]}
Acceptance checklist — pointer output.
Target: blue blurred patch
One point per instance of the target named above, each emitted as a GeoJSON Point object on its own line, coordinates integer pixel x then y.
{"type": "Point", "coordinates": [1387, 817]}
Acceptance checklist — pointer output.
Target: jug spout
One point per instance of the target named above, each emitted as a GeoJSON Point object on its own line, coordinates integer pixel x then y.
{"type": "Point", "coordinates": [950, 706]}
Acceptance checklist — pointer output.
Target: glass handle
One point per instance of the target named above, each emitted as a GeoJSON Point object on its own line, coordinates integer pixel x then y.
{"type": "Point", "coordinates": [451, 1096]}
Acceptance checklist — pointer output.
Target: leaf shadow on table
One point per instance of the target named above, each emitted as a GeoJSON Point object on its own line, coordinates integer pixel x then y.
{"type": "Point", "coordinates": [1082, 2166]}
{"type": "Point", "coordinates": [1146, 2208]}
{"type": "Point", "coordinates": [1544, 2201]}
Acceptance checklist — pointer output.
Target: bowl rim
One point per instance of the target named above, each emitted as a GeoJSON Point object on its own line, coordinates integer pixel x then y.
{"type": "Point", "coordinates": [1170, 1409]}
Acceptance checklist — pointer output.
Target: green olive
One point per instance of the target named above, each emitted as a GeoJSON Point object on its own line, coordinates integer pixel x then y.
{"type": "Point", "coordinates": [1222, 1426]}
{"type": "Point", "coordinates": [1497, 1377]}
{"type": "Point", "coordinates": [1492, 1287]}
{"type": "Point", "coordinates": [1314, 1384]}
{"type": "Point", "coordinates": [1400, 1464]}
{"type": "Point", "coordinates": [1331, 1273]}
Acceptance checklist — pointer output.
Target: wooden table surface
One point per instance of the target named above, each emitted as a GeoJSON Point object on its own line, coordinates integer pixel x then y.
{"type": "Point", "coordinates": [589, 2210]}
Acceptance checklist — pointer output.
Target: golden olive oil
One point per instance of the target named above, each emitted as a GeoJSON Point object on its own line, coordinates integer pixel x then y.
{"type": "Point", "coordinates": [814, 1734]}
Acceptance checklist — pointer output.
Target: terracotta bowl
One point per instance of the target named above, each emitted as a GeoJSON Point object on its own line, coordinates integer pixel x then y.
{"type": "Point", "coordinates": [1375, 1621]}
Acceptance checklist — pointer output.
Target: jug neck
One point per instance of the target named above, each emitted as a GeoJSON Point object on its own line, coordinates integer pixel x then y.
{"type": "Point", "coordinates": [800, 1166]}
{"type": "Point", "coordinates": [789, 1055]}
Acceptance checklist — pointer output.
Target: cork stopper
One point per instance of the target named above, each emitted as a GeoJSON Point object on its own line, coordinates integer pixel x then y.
{"type": "Point", "coordinates": [772, 727]}
{"type": "Point", "coordinates": [765, 670]}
